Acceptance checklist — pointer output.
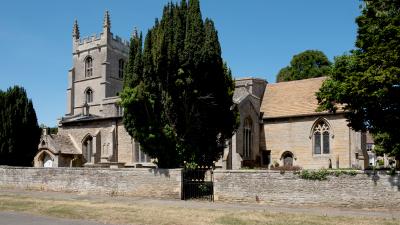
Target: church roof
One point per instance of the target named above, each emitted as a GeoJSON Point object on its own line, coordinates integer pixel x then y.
{"type": "Point", "coordinates": [58, 144]}
{"type": "Point", "coordinates": [291, 98]}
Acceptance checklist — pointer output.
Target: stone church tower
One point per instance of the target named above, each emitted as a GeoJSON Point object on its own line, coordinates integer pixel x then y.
{"type": "Point", "coordinates": [92, 133]}
{"type": "Point", "coordinates": [97, 73]}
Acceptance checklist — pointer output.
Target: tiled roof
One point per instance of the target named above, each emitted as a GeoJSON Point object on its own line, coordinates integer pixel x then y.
{"type": "Point", "coordinates": [64, 144]}
{"type": "Point", "coordinates": [239, 94]}
{"type": "Point", "coordinates": [291, 98]}
{"type": "Point", "coordinates": [59, 144]}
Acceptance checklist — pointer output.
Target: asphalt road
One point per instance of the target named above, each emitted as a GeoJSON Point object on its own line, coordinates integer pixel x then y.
{"type": "Point", "coordinates": [15, 218]}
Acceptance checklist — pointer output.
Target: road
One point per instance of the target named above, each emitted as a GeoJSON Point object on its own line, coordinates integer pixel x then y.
{"type": "Point", "coordinates": [16, 218]}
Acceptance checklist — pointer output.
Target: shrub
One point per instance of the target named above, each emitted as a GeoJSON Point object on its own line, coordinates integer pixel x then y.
{"type": "Point", "coordinates": [323, 174]}
{"type": "Point", "coordinates": [286, 168]}
{"type": "Point", "coordinates": [391, 172]}
{"type": "Point", "coordinates": [314, 174]}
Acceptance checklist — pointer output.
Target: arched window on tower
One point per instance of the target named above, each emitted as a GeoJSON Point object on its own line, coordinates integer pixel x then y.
{"type": "Point", "coordinates": [121, 65]}
{"type": "Point", "coordinates": [321, 134]}
{"type": "Point", "coordinates": [88, 67]}
{"type": "Point", "coordinates": [247, 138]}
{"type": "Point", "coordinates": [88, 149]}
{"type": "Point", "coordinates": [89, 95]}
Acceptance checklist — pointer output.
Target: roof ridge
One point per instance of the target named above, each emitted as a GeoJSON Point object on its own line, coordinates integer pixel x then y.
{"type": "Point", "coordinates": [298, 81]}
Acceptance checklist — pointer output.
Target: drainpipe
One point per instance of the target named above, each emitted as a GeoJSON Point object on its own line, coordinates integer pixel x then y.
{"type": "Point", "coordinates": [349, 147]}
{"type": "Point", "coordinates": [116, 140]}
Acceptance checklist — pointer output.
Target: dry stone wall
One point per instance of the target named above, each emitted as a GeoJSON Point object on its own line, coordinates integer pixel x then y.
{"type": "Point", "coordinates": [141, 182]}
{"type": "Point", "coordinates": [365, 190]}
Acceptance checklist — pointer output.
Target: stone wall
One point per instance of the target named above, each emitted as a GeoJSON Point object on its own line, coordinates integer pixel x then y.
{"type": "Point", "coordinates": [295, 135]}
{"type": "Point", "coordinates": [156, 183]}
{"type": "Point", "coordinates": [271, 187]}
{"type": "Point", "coordinates": [111, 135]}
{"type": "Point", "coordinates": [365, 190]}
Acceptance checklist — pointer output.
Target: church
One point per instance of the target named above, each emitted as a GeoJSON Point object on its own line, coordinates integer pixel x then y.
{"type": "Point", "coordinates": [279, 125]}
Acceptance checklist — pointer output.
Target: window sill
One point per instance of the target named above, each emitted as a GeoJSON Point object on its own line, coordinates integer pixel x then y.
{"type": "Point", "coordinates": [322, 155]}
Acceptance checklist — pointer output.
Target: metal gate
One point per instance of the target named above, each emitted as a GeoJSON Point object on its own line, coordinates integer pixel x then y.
{"type": "Point", "coordinates": [198, 183]}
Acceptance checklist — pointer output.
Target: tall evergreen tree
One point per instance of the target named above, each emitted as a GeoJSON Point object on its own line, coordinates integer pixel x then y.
{"type": "Point", "coordinates": [19, 131]}
{"type": "Point", "coordinates": [179, 107]}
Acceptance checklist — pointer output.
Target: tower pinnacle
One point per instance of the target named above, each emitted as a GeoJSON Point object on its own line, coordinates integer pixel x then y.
{"type": "Point", "coordinates": [75, 30]}
{"type": "Point", "coordinates": [135, 32]}
{"type": "Point", "coordinates": [107, 22]}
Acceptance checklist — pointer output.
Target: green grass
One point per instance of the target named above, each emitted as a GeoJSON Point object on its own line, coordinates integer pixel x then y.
{"type": "Point", "coordinates": [111, 211]}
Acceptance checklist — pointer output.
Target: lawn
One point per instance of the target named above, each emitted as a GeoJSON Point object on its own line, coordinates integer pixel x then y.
{"type": "Point", "coordinates": [123, 212]}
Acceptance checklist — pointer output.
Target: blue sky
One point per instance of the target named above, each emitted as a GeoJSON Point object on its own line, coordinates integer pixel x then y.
{"type": "Point", "coordinates": [258, 37]}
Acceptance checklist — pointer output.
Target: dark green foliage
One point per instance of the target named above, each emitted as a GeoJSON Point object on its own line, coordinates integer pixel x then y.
{"type": "Point", "coordinates": [367, 82]}
{"type": "Point", "coordinates": [308, 64]}
{"type": "Point", "coordinates": [51, 130]}
{"type": "Point", "coordinates": [384, 143]}
{"type": "Point", "coordinates": [177, 90]}
{"type": "Point", "coordinates": [19, 131]}
{"type": "Point", "coordinates": [314, 174]}
{"type": "Point", "coordinates": [323, 174]}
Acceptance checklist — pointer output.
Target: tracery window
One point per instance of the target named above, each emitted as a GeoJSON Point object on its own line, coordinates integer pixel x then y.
{"type": "Point", "coordinates": [247, 138]}
{"type": "Point", "coordinates": [121, 65]}
{"type": "Point", "coordinates": [88, 67]}
{"type": "Point", "coordinates": [140, 156]}
{"type": "Point", "coordinates": [89, 95]}
{"type": "Point", "coordinates": [321, 136]}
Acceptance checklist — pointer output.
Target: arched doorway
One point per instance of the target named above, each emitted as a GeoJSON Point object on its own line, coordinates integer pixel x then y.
{"type": "Point", "coordinates": [287, 158]}
{"type": "Point", "coordinates": [47, 161]}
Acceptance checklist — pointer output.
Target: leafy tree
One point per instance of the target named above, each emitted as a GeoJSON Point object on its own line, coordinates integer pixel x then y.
{"type": "Point", "coordinates": [177, 91]}
{"type": "Point", "coordinates": [384, 143]}
{"type": "Point", "coordinates": [51, 130]}
{"type": "Point", "coordinates": [308, 64]}
{"type": "Point", "coordinates": [367, 81]}
{"type": "Point", "coordinates": [19, 131]}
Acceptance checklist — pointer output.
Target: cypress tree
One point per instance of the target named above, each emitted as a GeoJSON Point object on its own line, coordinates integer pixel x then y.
{"type": "Point", "coordinates": [19, 131]}
{"type": "Point", "coordinates": [180, 107]}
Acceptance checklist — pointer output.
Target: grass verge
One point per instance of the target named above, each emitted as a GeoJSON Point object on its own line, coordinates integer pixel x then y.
{"type": "Point", "coordinates": [134, 213]}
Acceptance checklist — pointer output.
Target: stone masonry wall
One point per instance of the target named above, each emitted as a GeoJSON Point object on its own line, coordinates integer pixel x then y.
{"type": "Point", "coordinates": [293, 135]}
{"type": "Point", "coordinates": [271, 187]}
{"type": "Point", "coordinates": [156, 183]}
{"type": "Point", "coordinates": [365, 190]}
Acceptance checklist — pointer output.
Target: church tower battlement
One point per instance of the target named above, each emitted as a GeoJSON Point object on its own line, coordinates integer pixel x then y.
{"type": "Point", "coordinates": [96, 77]}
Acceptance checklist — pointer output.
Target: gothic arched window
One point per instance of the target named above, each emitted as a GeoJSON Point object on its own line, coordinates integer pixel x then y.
{"type": "Point", "coordinates": [321, 134]}
{"type": "Point", "coordinates": [89, 95]}
{"type": "Point", "coordinates": [121, 65]}
{"type": "Point", "coordinates": [88, 149]}
{"type": "Point", "coordinates": [247, 138]}
{"type": "Point", "coordinates": [139, 155]}
{"type": "Point", "coordinates": [88, 67]}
